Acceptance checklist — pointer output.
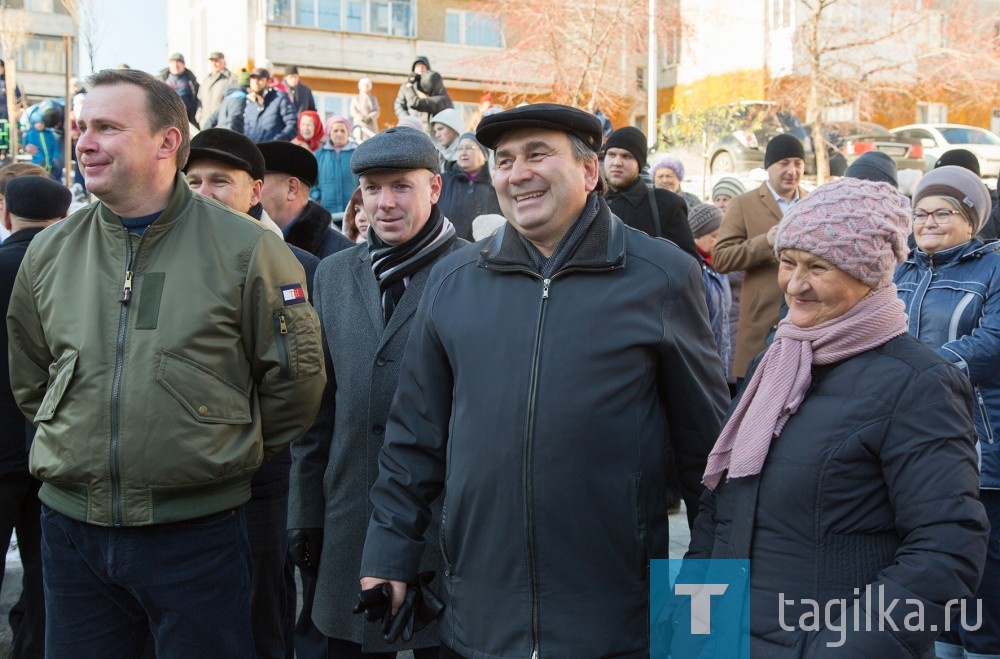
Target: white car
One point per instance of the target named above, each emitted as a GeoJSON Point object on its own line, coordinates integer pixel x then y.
{"type": "Point", "coordinates": [938, 138]}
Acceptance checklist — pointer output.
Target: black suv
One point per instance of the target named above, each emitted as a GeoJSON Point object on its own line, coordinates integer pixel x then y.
{"type": "Point", "coordinates": [740, 143]}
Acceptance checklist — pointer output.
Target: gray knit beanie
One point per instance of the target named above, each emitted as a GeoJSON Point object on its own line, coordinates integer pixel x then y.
{"type": "Point", "coordinates": [962, 185]}
{"type": "Point", "coordinates": [730, 186]}
{"type": "Point", "coordinates": [704, 219]}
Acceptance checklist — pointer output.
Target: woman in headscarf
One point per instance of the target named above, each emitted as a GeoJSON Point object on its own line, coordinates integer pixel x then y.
{"type": "Point", "coordinates": [310, 130]}
{"type": "Point", "coordinates": [951, 288]}
{"type": "Point", "coordinates": [847, 465]}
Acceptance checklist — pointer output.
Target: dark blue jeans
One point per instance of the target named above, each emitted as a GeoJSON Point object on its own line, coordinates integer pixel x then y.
{"type": "Point", "coordinates": [19, 510]}
{"type": "Point", "coordinates": [984, 642]}
{"type": "Point", "coordinates": [271, 618]}
{"type": "Point", "coordinates": [187, 583]}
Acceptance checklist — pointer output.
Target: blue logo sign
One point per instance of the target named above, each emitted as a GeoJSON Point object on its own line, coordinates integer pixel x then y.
{"type": "Point", "coordinates": [699, 608]}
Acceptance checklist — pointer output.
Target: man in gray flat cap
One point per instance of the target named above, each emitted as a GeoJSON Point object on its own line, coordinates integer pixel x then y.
{"type": "Point", "coordinates": [550, 370]}
{"type": "Point", "coordinates": [366, 298]}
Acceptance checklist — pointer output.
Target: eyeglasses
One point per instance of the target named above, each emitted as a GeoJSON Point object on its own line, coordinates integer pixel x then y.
{"type": "Point", "coordinates": [941, 216]}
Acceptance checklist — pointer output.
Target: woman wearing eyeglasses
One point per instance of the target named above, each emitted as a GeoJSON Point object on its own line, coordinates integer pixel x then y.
{"type": "Point", "coordinates": [951, 288]}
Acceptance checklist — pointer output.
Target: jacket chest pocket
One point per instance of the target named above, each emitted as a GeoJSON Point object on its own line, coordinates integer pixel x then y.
{"type": "Point", "coordinates": [206, 396]}
{"type": "Point", "coordinates": [60, 375]}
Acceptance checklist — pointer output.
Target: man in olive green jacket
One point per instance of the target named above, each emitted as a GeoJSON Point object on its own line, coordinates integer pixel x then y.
{"type": "Point", "coordinates": [163, 347]}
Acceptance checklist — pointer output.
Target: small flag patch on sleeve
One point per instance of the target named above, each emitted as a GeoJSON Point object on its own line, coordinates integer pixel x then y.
{"type": "Point", "coordinates": [293, 294]}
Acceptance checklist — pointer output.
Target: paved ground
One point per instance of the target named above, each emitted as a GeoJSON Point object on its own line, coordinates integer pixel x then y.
{"type": "Point", "coordinates": [679, 537]}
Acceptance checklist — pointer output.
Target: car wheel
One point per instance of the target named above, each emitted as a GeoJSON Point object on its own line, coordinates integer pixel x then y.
{"type": "Point", "coordinates": [723, 163]}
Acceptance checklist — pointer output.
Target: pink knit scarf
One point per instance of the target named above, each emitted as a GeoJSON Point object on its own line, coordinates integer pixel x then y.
{"type": "Point", "coordinates": [780, 382]}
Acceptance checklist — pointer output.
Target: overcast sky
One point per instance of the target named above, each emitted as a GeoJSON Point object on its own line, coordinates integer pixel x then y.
{"type": "Point", "coordinates": [135, 33]}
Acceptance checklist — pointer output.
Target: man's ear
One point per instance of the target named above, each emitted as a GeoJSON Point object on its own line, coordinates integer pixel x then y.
{"type": "Point", "coordinates": [256, 192]}
{"type": "Point", "coordinates": [6, 220]}
{"type": "Point", "coordinates": [170, 144]}
{"type": "Point", "coordinates": [294, 185]}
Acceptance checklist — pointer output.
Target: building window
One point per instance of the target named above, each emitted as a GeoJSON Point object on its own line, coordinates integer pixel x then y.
{"type": "Point", "coordinates": [42, 55]}
{"type": "Point", "coordinates": [473, 28]}
{"type": "Point", "coordinates": [330, 105]}
{"type": "Point", "coordinates": [44, 6]}
{"type": "Point", "coordinates": [934, 28]}
{"type": "Point", "coordinates": [781, 14]}
{"type": "Point", "coordinates": [392, 17]}
{"type": "Point", "coordinates": [932, 113]}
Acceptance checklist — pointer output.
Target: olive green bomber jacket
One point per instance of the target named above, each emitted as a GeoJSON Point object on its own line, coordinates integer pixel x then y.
{"type": "Point", "coordinates": [157, 405]}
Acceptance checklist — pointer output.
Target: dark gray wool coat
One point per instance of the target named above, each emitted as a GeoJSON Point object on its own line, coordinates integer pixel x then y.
{"type": "Point", "coordinates": [336, 462]}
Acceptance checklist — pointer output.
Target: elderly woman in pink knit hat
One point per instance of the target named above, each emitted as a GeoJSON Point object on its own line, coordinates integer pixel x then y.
{"type": "Point", "coordinates": [827, 475]}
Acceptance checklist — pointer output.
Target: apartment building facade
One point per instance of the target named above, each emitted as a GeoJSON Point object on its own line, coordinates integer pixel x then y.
{"type": "Point", "coordinates": [334, 43]}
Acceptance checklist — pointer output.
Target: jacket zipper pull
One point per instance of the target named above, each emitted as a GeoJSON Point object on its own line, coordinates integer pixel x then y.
{"type": "Point", "coordinates": [282, 327]}
{"type": "Point", "coordinates": [127, 290]}
{"type": "Point", "coordinates": [545, 288]}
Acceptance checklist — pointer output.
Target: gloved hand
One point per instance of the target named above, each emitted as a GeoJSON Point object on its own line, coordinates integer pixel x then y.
{"type": "Point", "coordinates": [420, 607]}
{"type": "Point", "coordinates": [376, 604]}
{"type": "Point", "coordinates": [305, 546]}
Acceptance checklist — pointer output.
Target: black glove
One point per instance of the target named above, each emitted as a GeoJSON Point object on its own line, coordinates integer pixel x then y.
{"type": "Point", "coordinates": [376, 604]}
{"type": "Point", "coordinates": [420, 607]}
{"type": "Point", "coordinates": [305, 545]}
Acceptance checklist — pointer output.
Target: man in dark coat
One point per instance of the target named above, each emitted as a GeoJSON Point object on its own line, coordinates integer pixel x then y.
{"type": "Point", "coordinates": [660, 213]}
{"type": "Point", "coordinates": [31, 204]}
{"type": "Point", "coordinates": [366, 298]}
{"type": "Point", "coordinates": [229, 168]}
{"type": "Point", "coordinates": [290, 172]}
{"type": "Point", "coordinates": [546, 373]}
{"type": "Point", "coordinates": [423, 94]}
{"type": "Point", "coordinates": [269, 113]}
{"type": "Point", "coordinates": [299, 93]}
{"type": "Point", "coordinates": [184, 82]}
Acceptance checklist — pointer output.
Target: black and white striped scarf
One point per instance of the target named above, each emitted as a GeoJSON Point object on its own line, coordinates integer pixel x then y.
{"type": "Point", "coordinates": [394, 265]}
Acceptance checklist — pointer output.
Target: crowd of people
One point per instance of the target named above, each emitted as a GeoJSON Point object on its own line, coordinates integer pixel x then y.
{"type": "Point", "coordinates": [458, 377]}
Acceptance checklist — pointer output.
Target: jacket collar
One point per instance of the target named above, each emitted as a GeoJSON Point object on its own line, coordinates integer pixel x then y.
{"type": "Point", "coordinates": [602, 248]}
{"type": "Point", "coordinates": [171, 212]}
{"type": "Point", "coordinates": [972, 249]}
{"type": "Point", "coordinates": [636, 193]}
{"type": "Point", "coordinates": [23, 235]}
{"type": "Point", "coordinates": [310, 228]}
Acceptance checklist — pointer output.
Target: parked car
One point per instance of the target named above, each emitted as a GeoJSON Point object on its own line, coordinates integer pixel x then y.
{"type": "Point", "coordinates": [846, 140]}
{"type": "Point", "coordinates": [741, 149]}
{"type": "Point", "coordinates": [938, 138]}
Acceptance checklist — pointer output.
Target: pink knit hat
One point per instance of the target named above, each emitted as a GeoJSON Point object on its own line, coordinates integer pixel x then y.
{"type": "Point", "coordinates": [859, 226]}
{"type": "Point", "coordinates": [338, 119]}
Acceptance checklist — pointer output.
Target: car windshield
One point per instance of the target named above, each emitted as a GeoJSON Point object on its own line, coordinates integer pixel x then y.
{"type": "Point", "coordinates": [969, 136]}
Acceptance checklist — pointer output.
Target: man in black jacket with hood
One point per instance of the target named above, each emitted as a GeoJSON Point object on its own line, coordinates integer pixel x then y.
{"type": "Point", "coordinates": [659, 213]}
{"type": "Point", "coordinates": [423, 94]}
{"type": "Point", "coordinates": [547, 372]}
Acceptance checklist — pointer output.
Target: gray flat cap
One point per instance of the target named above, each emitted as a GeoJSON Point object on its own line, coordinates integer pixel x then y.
{"type": "Point", "coordinates": [399, 148]}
